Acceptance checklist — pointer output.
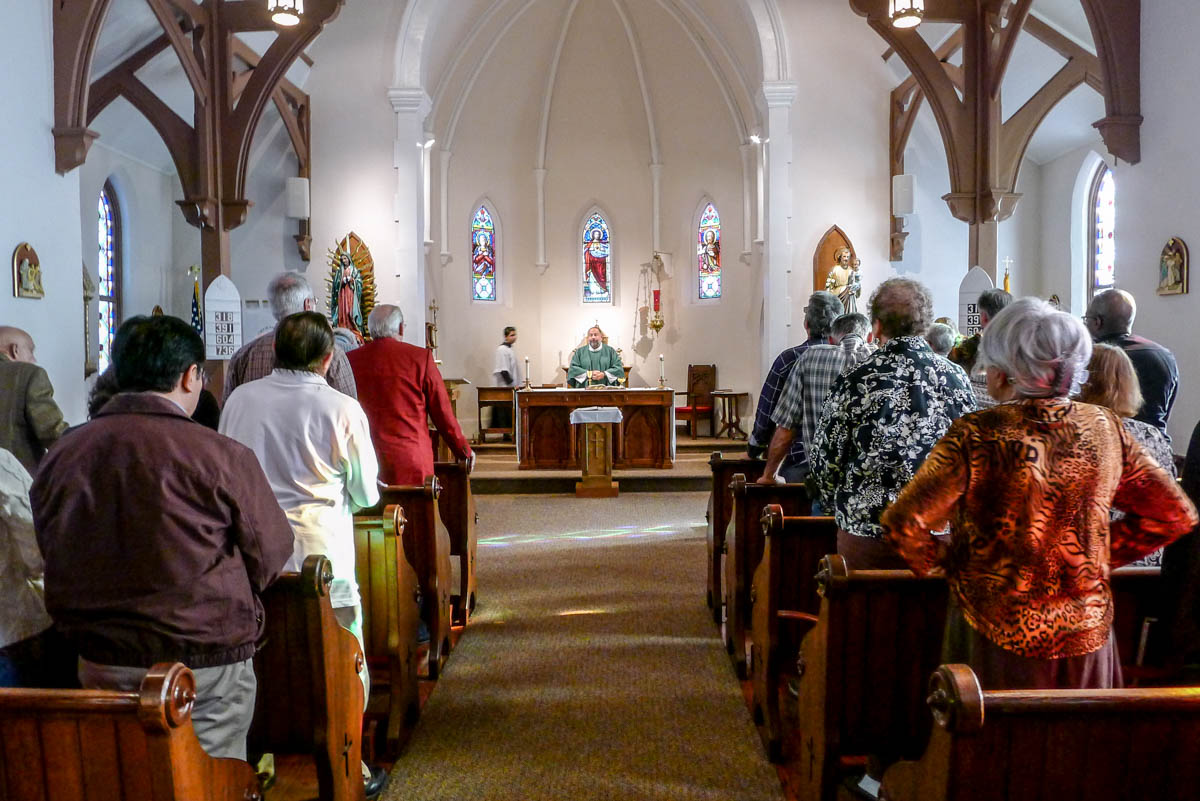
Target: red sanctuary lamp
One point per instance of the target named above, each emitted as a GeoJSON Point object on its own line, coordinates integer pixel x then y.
{"type": "Point", "coordinates": [657, 322]}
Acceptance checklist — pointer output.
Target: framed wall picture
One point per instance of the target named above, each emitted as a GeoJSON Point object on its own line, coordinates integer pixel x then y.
{"type": "Point", "coordinates": [1173, 268]}
{"type": "Point", "coordinates": [27, 272]}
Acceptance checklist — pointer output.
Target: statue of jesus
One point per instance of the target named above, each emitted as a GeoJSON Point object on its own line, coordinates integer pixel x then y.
{"type": "Point", "coordinates": [595, 364]}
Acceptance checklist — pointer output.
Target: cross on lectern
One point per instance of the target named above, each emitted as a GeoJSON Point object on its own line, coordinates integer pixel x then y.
{"type": "Point", "coordinates": [1008, 262]}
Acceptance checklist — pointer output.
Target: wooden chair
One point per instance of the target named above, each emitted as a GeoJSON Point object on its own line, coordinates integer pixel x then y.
{"type": "Point", "coordinates": [862, 670]}
{"type": "Point", "coordinates": [100, 744]}
{"type": "Point", "coordinates": [720, 507]}
{"type": "Point", "coordinates": [785, 603]}
{"type": "Point", "coordinates": [456, 505]}
{"type": "Point", "coordinates": [701, 381]}
{"type": "Point", "coordinates": [744, 550]}
{"type": "Point", "coordinates": [1068, 745]}
{"type": "Point", "coordinates": [309, 704]}
{"type": "Point", "coordinates": [427, 546]}
{"type": "Point", "coordinates": [387, 584]}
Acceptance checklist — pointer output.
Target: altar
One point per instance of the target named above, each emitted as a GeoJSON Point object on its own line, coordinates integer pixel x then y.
{"type": "Point", "coordinates": [546, 440]}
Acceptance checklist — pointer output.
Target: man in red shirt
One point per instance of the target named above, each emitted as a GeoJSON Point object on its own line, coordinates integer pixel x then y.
{"type": "Point", "coordinates": [400, 388]}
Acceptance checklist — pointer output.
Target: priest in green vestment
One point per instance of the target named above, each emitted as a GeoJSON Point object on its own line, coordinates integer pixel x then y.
{"type": "Point", "coordinates": [595, 364]}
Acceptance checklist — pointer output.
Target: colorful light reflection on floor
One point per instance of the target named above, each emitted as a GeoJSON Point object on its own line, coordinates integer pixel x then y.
{"type": "Point", "coordinates": [616, 532]}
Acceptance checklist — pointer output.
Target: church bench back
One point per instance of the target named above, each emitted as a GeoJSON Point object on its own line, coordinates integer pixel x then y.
{"type": "Point", "coordinates": [387, 584]}
{"type": "Point", "coordinates": [744, 550]}
{"type": "Point", "coordinates": [785, 605]}
{"type": "Point", "coordinates": [863, 668]}
{"type": "Point", "coordinates": [100, 745]}
{"type": "Point", "coordinates": [456, 505]}
{"type": "Point", "coordinates": [427, 546]}
{"type": "Point", "coordinates": [1066, 745]}
{"type": "Point", "coordinates": [310, 697]}
{"type": "Point", "coordinates": [720, 507]}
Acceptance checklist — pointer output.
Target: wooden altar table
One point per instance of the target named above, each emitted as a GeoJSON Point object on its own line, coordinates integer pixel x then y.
{"type": "Point", "coordinates": [644, 438]}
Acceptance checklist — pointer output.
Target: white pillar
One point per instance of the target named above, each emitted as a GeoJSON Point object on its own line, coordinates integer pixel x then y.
{"type": "Point", "coordinates": [427, 187]}
{"type": "Point", "coordinates": [656, 205]}
{"type": "Point", "coordinates": [444, 179]}
{"type": "Point", "coordinates": [779, 96]}
{"type": "Point", "coordinates": [539, 176]}
{"type": "Point", "coordinates": [407, 284]}
{"type": "Point", "coordinates": [748, 172]}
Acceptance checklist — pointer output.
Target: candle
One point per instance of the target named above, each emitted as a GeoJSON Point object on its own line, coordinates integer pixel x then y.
{"type": "Point", "coordinates": [527, 376]}
{"type": "Point", "coordinates": [658, 300]}
{"type": "Point", "coordinates": [662, 367]}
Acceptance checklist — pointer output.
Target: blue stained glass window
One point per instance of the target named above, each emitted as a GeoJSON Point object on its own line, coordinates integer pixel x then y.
{"type": "Point", "coordinates": [597, 261]}
{"type": "Point", "coordinates": [107, 289]}
{"type": "Point", "coordinates": [1104, 262]}
{"type": "Point", "coordinates": [483, 256]}
{"type": "Point", "coordinates": [708, 253]}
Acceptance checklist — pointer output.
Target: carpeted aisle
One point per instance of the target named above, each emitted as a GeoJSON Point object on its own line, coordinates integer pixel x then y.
{"type": "Point", "coordinates": [592, 669]}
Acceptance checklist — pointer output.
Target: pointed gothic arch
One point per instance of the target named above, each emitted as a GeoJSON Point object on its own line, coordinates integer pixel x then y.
{"type": "Point", "coordinates": [598, 275]}
{"type": "Point", "coordinates": [478, 262]}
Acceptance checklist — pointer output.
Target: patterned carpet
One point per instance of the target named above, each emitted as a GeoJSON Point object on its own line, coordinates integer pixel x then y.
{"type": "Point", "coordinates": [592, 669]}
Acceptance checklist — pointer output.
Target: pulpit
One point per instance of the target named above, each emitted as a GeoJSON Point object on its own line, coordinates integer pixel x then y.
{"type": "Point", "coordinates": [597, 422]}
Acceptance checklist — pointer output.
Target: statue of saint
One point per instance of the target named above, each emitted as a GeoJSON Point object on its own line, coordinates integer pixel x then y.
{"type": "Point", "coordinates": [348, 289]}
{"type": "Point", "coordinates": [844, 279]}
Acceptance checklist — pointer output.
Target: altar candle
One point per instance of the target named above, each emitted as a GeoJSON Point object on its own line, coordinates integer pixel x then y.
{"type": "Point", "coordinates": [658, 300]}
{"type": "Point", "coordinates": [527, 376]}
{"type": "Point", "coordinates": [662, 368]}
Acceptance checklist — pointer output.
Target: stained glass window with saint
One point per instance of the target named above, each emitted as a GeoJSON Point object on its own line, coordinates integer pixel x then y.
{"type": "Point", "coordinates": [597, 250]}
{"type": "Point", "coordinates": [108, 289]}
{"type": "Point", "coordinates": [708, 253]}
{"type": "Point", "coordinates": [483, 256]}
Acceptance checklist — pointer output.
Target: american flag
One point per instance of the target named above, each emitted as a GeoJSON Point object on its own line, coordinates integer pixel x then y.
{"type": "Point", "coordinates": [196, 321]}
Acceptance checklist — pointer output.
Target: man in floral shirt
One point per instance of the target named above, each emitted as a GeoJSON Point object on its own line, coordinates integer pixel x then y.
{"type": "Point", "coordinates": [881, 420]}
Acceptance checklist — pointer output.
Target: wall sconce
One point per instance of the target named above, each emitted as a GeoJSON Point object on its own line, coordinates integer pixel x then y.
{"type": "Point", "coordinates": [906, 13]}
{"type": "Point", "coordinates": [297, 201]}
{"type": "Point", "coordinates": [285, 12]}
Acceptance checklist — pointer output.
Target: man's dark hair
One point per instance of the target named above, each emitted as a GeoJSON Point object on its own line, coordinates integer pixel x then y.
{"type": "Point", "coordinates": [302, 341]}
{"type": "Point", "coordinates": [993, 301]}
{"type": "Point", "coordinates": [852, 323]}
{"type": "Point", "coordinates": [151, 353]}
{"type": "Point", "coordinates": [903, 308]}
{"type": "Point", "coordinates": [508, 329]}
{"type": "Point", "coordinates": [822, 309]}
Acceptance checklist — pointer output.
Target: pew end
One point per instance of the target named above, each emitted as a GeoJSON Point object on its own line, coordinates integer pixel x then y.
{"type": "Point", "coordinates": [720, 506]}
{"type": "Point", "coordinates": [310, 705]}
{"type": "Point", "coordinates": [122, 746]}
{"type": "Point", "coordinates": [389, 590]}
{"type": "Point", "coordinates": [456, 505]}
{"type": "Point", "coordinates": [1098, 745]}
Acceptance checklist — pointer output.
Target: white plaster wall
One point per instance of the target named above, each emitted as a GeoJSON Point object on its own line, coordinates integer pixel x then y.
{"type": "Point", "coordinates": [39, 206]}
{"type": "Point", "coordinates": [1157, 198]}
{"type": "Point", "coordinates": [1065, 189]}
{"type": "Point", "coordinates": [1019, 237]}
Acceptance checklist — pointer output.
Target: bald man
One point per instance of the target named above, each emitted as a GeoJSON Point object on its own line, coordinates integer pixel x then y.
{"type": "Point", "coordinates": [30, 420]}
{"type": "Point", "coordinates": [1110, 318]}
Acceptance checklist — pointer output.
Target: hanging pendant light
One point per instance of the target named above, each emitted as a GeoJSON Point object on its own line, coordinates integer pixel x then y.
{"type": "Point", "coordinates": [285, 12]}
{"type": "Point", "coordinates": [907, 13]}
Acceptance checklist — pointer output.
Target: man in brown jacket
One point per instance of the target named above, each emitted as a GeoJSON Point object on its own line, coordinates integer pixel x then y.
{"type": "Point", "coordinates": [30, 420]}
{"type": "Point", "coordinates": [159, 535]}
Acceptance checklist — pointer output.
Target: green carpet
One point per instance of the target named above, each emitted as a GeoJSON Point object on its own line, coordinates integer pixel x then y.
{"type": "Point", "coordinates": [591, 669]}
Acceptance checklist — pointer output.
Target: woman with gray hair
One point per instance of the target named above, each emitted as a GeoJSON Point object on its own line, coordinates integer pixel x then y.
{"type": "Point", "coordinates": [1026, 488]}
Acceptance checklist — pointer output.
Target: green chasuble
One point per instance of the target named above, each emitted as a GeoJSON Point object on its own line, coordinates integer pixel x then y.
{"type": "Point", "coordinates": [585, 360]}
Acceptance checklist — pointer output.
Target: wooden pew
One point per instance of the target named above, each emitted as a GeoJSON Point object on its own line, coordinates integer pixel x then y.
{"type": "Point", "coordinates": [720, 507]}
{"type": "Point", "coordinates": [1067, 745]}
{"type": "Point", "coordinates": [388, 586]}
{"type": "Point", "coordinates": [785, 605]}
{"type": "Point", "coordinates": [99, 744]}
{"type": "Point", "coordinates": [427, 546]}
{"type": "Point", "coordinates": [1136, 602]}
{"type": "Point", "coordinates": [744, 549]}
{"type": "Point", "coordinates": [309, 703]}
{"type": "Point", "coordinates": [863, 668]}
{"type": "Point", "coordinates": [456, 505]}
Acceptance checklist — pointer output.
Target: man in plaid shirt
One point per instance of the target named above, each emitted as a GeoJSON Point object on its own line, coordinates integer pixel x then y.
{"type": "Point", "coordinates": [810, 382]}
{"type": "Point", "coordinates": [822, 309]}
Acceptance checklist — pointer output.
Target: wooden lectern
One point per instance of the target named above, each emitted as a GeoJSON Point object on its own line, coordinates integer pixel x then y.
{"type": "Point", "coordinates": [597, 480]}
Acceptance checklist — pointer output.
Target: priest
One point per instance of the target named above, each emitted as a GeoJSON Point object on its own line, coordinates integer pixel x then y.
{"type": "Point", "coordinates": [596, 364]}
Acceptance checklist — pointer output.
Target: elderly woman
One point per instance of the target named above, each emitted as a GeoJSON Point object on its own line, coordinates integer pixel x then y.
{"type": "Point", "coordinates": [1027, 487]}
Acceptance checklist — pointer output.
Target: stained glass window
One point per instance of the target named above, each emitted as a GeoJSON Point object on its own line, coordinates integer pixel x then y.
{"type": "Point", "coordinates": [708, 253]}
{"type": "Point", "coordinates": [108, 290]}
{"type": "Point", "coordinates": [483, 256]}
{"type": "Point", "coordinates": [1104, 219]}
{"type": "Point", "coordinates": [597, 262]}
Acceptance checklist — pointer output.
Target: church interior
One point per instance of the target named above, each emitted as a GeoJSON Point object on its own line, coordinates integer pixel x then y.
{"type": "Point", "coordinates": [682, 174]}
